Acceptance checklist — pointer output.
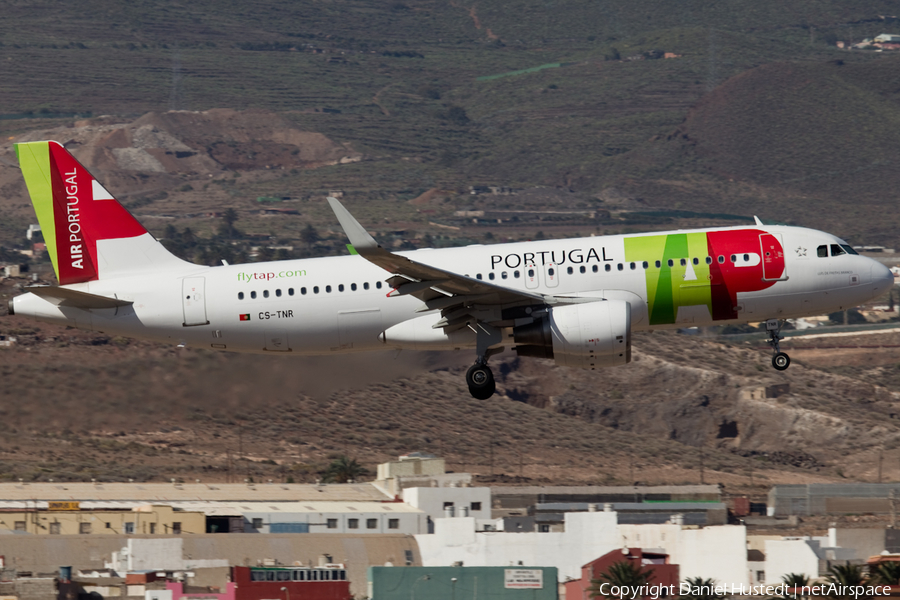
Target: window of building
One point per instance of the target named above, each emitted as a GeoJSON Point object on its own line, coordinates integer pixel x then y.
{"type": "Point", "coordinates": [253, 295]}
{"type": "Point", "coordinates": [543, 528]}
{"type": "Point", "coordinates": [54, 528]}
{"type": "Point", "coordinates": [176, 527]}
{"type": "Point", "coordinates": [257, 523]}
{"type": "Point", "coordinates": [448, 505]}
{"type": "Point", "coordinates": [109, 525]}
{"type": "Point", "coordinates": [475, 506]}
{"type": "Point", "coordinates": [409, 557]}
{"type": "Point", "coordinates": [393, 523]}
{"type": "Point", "coordinates": [20, 526]}
{"type": "Point", "coordinates": [86, 527]}
{"type": "Point", "coordinates": [352, 523]}
{"type": "Point", "coordinates": [152, 527]}
{"type": "Point", "coordinates": [270, 575]}
{"type": "Point", "coordinates": [283, 576]}
{"type": "Point", "coordinates": [257, 576]}
{"type": "Point", "coordinates": [129, 527]}
{"type": "Point", "coordinates": [240, 295]}
{"type": "Point", "coordinates": [371, 523]}
{"type": "Point", "coordinates": [332, 524]}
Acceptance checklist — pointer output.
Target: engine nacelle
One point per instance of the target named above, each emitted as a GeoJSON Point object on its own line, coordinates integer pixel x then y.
{"type": "Point", "coordinates": [418, 334]}
{"type": "Point", "coordinates": [585, 336]}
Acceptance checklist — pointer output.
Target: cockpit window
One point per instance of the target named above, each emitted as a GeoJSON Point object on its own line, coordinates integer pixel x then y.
{"type": "Point", "coordinates": [849, 249]}
{"type": "Point", "coordinates": [822, 251]}
{"type": "Point", "coordinates": [836, 250]}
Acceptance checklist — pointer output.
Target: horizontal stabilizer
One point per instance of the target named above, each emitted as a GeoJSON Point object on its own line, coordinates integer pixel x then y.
{"type": "Point", "coordinates": [66, 297]}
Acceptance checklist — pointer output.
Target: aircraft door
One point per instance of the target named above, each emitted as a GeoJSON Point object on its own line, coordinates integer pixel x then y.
{"type": "Point", "coordinates": [277, 341]}
{"type": "Point", "coordinates": [193, 297]}
{"type": "Point", "coordinates": [772, 257]}
{"type": "Point", "coordinates": [551, 275]}
{"type": "Point", "coordinates": [531, 277]}
{"type": "Point", "coordinates": [359, 329]}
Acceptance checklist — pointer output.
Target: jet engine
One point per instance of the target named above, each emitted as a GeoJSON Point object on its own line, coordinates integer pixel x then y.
{"type": "Point", "coordinates": [586, 336]}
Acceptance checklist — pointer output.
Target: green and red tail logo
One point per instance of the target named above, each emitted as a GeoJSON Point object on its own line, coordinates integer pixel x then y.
{"type": "Point", "coordinates": [73, 209]}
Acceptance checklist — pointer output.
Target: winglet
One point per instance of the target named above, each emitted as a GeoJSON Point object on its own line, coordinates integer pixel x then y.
{"type": "Point", "coordinates": [359, 237]}
{"type": "Point", "coordinates": [758, 222]}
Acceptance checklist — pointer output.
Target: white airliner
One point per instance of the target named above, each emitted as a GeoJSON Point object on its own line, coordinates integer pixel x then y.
{"type": "Point", "coordinates": [574, 300]}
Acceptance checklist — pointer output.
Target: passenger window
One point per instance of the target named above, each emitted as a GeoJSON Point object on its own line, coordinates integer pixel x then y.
{"type": "Point", "coordinates": [582, 269]}
{"type": "Point", "coordinates": [290, 291]}
{"type": "Point", "coordinates": [570, 270]}
{"type": "Point", "coordinates": [516, 274]}
{"type": "Point", "coordinates": [849, 249]}
{"type": "Point", "coordinates": [733, 259]}
{"type": "Point", "coordinates": [315, 289]}
{"type": "Point", "coordinates": [478, 276]}
{"type": "Point", "coordinates": [696, 261]}
{"type": "Point", "coordinates": [608, 268]}
{"type": "Point", "coordinates": [746, 258]}
{"type": "Point", "coordinates": [352, 287]}
{"type": "Point", "coordinates": [253, 295]}
{"type": "Point", "coordinates": [503, 275]}
{"type": "Point", "coordinates": [620, 266]}
{"type": "Point", "coordinates": [671, 263]}
{"type": "Point", "coordinates": [240, 295]}
{"type": "Point", "coordinates": [531, 272]}
{"type": "Point", "coordinates": [709, 260]}
{"type": "Point", "coordinates": [837, 250]}
{"type": "Point", "coordinates": [683, 262]}
{"type": "Point", "coordinates": [378, 285]}
{"type": "Point", "coordinates": [278, 293]}
{"type": "Point", "coordinates": [646, 265]}
{"type": "Point", "coordinates": [491, 276]}
{"type": "Point", "coordinates": [595, 268]}
{"type": "Point", "coordinates": [327, 289]}
{"type": "Point", "coordinates": [658, 264]}
{"type": "Point", "coordinates": [366, 285]}
{"type": "Point", "coordinates": [341, 287]}
{"type": "Point", "coordinates": [551, 271]}
{"type": "Point", "coordinates": [721, 259]}
{"type": "Point", "coordinates": [303, 291]}
{"type": "Point", "coordinates": [633, 266]}
{"type": "Point", "coordinates": [265, 293]}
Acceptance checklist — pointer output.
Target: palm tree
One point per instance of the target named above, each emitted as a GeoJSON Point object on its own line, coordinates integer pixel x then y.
{"type": "Point", "coordinates": [846, 576]}
{"type": "Point", "coordinates": [701, 589]}
{"type": "Point", "coordinates": [623, 574]}
{"type": "Point", "coordinates": [793, 581]}
{"type": "Point", "coordinates": [343, 469]}
{"type": "Point", "coordinates": [887, 573]}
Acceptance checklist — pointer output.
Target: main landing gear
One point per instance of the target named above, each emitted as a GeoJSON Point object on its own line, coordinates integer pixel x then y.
{"type": "Point", "coordinates": [780, 360]}
{"type": "Point", "coordinates": [479, 377]}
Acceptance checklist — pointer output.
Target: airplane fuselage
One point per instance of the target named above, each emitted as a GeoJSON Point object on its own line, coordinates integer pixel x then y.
{"type": "Point", "coordinates": [342, 304]}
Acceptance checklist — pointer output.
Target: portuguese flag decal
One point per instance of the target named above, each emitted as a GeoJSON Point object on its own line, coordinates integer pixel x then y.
{"type": "Point", "coordinates": [245, 317]}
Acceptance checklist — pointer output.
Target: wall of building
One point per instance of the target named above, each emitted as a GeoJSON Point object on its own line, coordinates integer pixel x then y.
{"type": "Point", "coordinates": [455, 583]}
{"type": "Point", "coordinates": [586, 536]}
{"type": "Point", "coordinates": [409, 523]}
{"type": "Point", "coordinates": [432, 500]}
{"type": "Point", "coordinates": [162, 519]}
{"type": "Point", "coordinates": [863, 542]}
{"type": "Point", "coordinates": [791, 556]}
{"type": "Point", "coordinates": [718, 552]}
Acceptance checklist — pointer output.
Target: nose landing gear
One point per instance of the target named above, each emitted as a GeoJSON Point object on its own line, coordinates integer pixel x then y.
{"type": "Point", "coordinates": [780, 360]}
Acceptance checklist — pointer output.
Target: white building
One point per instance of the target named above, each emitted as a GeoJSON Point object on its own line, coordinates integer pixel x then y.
{"type": "Point", "coordinates": [803, 555]}
{"type": "Point", "coordinates": [417, 469]}
{"type": "Point", "coordinates": [718, 552]}
{"type": "Point", "coordinates": [436, 502]}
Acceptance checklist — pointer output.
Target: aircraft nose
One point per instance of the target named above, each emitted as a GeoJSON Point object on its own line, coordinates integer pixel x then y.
{"type": "Point", "coordinates": [881, 276]}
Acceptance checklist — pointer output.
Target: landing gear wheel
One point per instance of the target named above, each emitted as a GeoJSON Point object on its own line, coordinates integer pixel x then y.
{"type": "Point", "coordinates": [480, 380]}
{"type": "Point", "coordinates": [781, 361]}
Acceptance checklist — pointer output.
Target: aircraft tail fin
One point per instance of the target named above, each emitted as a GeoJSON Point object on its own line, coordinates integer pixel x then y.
{"type": "Point", "coordinates": [89, 235]}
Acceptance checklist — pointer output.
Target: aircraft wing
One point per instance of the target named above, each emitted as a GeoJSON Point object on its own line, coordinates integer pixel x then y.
{"type": "Point", "coordinates": [439, 289]}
